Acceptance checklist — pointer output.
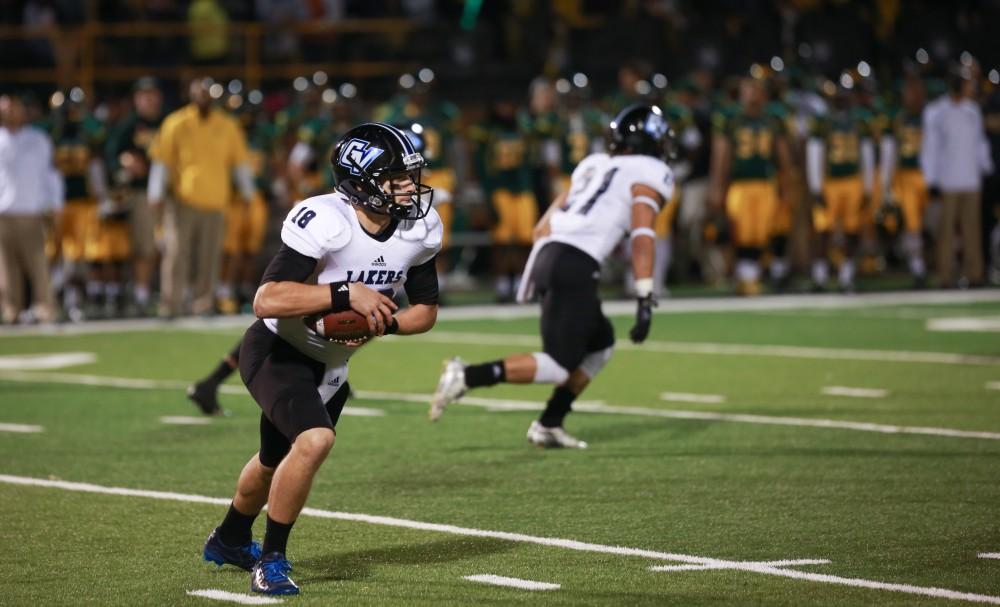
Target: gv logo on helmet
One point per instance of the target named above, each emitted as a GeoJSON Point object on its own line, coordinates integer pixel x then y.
{"type": "Point", "coordinates": [358, 154]}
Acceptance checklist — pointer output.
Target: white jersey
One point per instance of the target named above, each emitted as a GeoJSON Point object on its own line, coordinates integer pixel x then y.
{"type": "Point", "coordinates": [599, 205]}
{"type": "Point", "coordinates": [326, 228]}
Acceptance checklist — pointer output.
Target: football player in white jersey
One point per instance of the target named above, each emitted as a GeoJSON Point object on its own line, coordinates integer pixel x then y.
{"type": "Point", "coordinates": [352, 249]}
{"type": "Point", "coordinates": [611, 196]}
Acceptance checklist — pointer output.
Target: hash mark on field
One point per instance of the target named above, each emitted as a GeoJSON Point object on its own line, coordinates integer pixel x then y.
{"type": "Point", "coordinates": [566, 544]}
{"type": "Point", "coordinates": [20, 428]}
{"type": "Point", "coordinates": [513, 582]}
{"type": "Point", "coordinates": [41, 362]}
{"type": "Point", "coordinates": [989, 555]}
{"type": "Point", "coordinates": [185, 420]}
{"type": "Point", "coordinates": [234, 597]}
{"type": "Point", "coordinates": [686, 397]}
{"type": "Point", "coordinates": [993, 385]}
{"type": "Point", "coordinates": [973, 324]}
{"type": "Point", "coordinates": [854, 392]}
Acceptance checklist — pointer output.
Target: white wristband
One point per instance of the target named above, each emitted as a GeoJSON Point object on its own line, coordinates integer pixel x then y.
{"type": "Point", "coordinates": [643, 232]}
{"type": "Point", "coordinates": [644, 287]}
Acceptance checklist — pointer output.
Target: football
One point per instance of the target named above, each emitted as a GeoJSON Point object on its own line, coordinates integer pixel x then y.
{"type": "Point", "coordinates": [339, 326]}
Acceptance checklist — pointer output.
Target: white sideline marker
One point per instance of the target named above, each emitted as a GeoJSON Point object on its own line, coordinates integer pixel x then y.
{"type": "Point", "coordinates": [565, 544]}
{"type": "Point", "coordinates": [184, 420]}
{"type": "Point", "coordinates": [512, 582]}
{"type": "Point", "coordinates": [854, 392]}
{"type": "Point", "coordinates": [989, 555]}
{"type": "Point", "coordinates": [21, 428]}
{"type": "Point", "coordinates": [234, 597]}
{"type": "Point", "coordinates": [686, 397]}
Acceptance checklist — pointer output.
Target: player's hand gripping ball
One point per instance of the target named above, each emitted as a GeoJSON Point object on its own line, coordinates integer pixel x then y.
{"type": "Point", "coordinates": [341, 327]}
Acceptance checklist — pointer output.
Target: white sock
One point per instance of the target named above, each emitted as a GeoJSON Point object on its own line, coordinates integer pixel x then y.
{"type": "Point", "coordinates": [779, 268]}
{"type": "Point", "coordinates": [846, 276]}
{"type": "Point", "coordinates": [747, 271]}
{"type": "Point", "coordinates": [141, 293]}
{"type": "Point", "coordinates": [820, 272]}
{"type": "Point", "coordinates": [913, 246]}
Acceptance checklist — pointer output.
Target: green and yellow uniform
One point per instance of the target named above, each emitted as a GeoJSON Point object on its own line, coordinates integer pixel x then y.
{"type": "Point", "coordinates": [752, 196]}
{"type": "Point", "coordinates": [908, 186]}
{"type": "Point", "coordinates": [505, 173]}
{"type": "Point", "coordinates": [843, 188]}
{"type": "Point", "coordinates": [577, 133]}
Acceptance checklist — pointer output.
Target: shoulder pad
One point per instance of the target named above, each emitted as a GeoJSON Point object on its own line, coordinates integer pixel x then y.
{"type": "Point", "coordinates": [315, 227]}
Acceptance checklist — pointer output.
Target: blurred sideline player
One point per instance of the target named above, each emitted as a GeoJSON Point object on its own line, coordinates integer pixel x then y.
{"type": "Point", "coordinates": [505, 174]}
{"type": "Point", "coordinates": [611, 195]}
{"type": "Point", "coordinates": [902, 179]}
{"type": "Point", "coordinates": [348, 250]}
{"type": "Point", "coordinates": [840, 161]}
{"type": "Point", "coordinates": [749, 152]}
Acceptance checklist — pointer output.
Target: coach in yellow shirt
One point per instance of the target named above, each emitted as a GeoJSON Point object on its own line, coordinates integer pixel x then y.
{"type": "Point", "coordinates": [198, 151]}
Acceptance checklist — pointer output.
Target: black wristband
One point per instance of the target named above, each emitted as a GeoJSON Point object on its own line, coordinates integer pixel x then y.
{"type": "Point", "coordinates": [393, 326]}
{"type": "Point", "coordinates": [340, 296]}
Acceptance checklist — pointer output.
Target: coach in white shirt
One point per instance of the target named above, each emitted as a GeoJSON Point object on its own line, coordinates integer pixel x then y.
{"type": "Point", "coordinates": [955, 156]}
{"type": "Point", "coordinates": [30, 194]}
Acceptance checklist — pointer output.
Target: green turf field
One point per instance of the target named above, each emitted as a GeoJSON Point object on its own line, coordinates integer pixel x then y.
{"type": "Point", "coordinates": [901, 516]}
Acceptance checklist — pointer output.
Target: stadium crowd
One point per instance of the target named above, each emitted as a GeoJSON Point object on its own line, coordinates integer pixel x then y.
{"type": "Point", "coordinates": [783, 173]}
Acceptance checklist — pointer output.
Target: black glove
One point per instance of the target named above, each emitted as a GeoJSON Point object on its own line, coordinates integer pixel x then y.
{"type": "Point", "coordinates": [643, 318]}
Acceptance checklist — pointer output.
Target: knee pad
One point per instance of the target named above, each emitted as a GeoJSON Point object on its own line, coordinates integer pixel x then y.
{"type": "Point", "coordinates": [595, 361]}
{"type": "Point", "coordinates": [548, 371]}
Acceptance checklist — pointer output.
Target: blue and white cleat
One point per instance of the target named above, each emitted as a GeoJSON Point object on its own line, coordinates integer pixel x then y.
{"type": "Point", "coordinates": [270, 575]}
{"type": "Point", "coordinates": [244, 556]}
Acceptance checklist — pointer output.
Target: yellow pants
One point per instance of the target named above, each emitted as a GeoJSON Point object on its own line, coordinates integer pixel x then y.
{"type": "Point", "coordinates": [110, 242]}
{"type": "Point", "coordinates": [910, 190]}
{"type": "Point", "coordinates": [516, 217]}
{"type": "Point", "coordinates": [844, 198]}
{"type": "Point", "coordinates": [665, 218]}
{"type": "Point", "coordinates": [750, 205]}
{"type": "Point", "coordinates": [245, 226]}
{"type": "Point", "coordinates": [77, 225]}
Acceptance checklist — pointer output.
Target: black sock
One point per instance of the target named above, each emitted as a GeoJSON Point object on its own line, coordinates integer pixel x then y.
{"type": "Point", "coordinates": [558, 406]}
{"type": "Point", "coordinates": [485, 374]}
{"type": "Point", "coordinates": [224, 369]}
{"type": "Point", "coordinates": [237, 528]}
{"type": "Point", "coordinates": [276, 536]}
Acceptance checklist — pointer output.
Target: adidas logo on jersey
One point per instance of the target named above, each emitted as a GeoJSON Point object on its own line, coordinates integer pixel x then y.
{"type": "Point", "coordinates": [334, 382]}
{"type": "Point", "coordinates": [380, 262]}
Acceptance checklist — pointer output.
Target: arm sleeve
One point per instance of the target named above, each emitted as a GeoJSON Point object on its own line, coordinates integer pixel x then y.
{"type": "Point", "coordinates": [289, 264]}
{"type": "Point", "coordinates": [814, 165]}
{"type": "Point", "coordinates": [928, 148]}
{"type": "Point", "coordinates": [422, 283]}
{"type": "Point", "coordinates": [867, 164]}
{"type": "Point", "coordinates": [888, 161]}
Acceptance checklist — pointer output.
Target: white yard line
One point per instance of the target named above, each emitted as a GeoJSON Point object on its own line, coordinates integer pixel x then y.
{"type": "Point", "coordinates": [680, 347]}
{"type": "Point", "coordinates": [21, 428]}
{"type": "Point", "coordinates": [234, 597]}
{"type": "Point", "coordinates": [787, 563]}
{"type": "Point", "coordinates": [184, 420]}
{"type": "Point", "coordinates": [146, 384]}
{"type": "Point", "coordinates": [41, 362]}
{"type": "Point", "coordinates": [971, 324]}
{"type": "Point", "coordinates": [511, 582]}
{"type": "Point", "coordinates": [989, 555]}
{"type": "Point", "coordinates": [627, 307]}
{"type": "Point", "coordinates": [687, 397]}
{"type": "Point", "coordinates": [496, 404]}
{"type": "Point", "coordinates": [566, 544]}
{"type": "Point", "coordinates": [993, 385]}
{"type": "Point", "coordinates": [854, 392]}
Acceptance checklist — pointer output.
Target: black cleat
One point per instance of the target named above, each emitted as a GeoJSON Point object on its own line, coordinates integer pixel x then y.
{"type": "Point", "coordinates": [203, 395]}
